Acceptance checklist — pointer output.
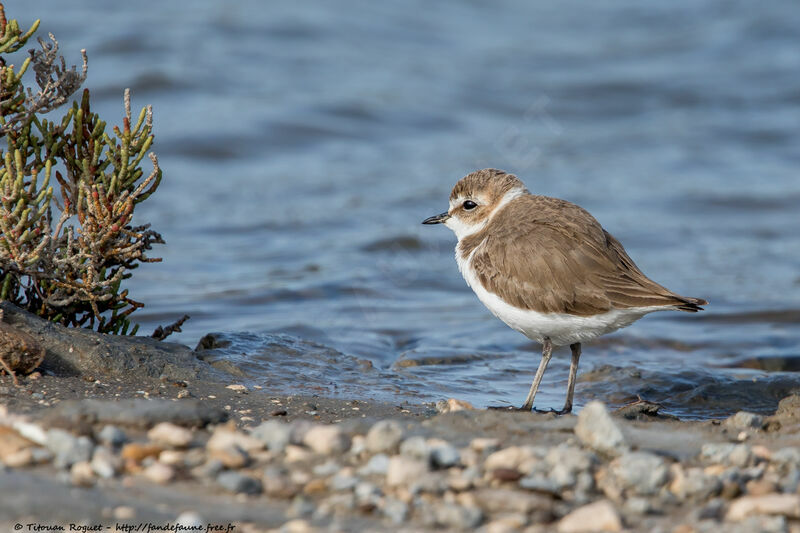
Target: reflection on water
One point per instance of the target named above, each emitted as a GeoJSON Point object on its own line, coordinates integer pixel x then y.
{"type": "Point", "coordinates": [303, 143]}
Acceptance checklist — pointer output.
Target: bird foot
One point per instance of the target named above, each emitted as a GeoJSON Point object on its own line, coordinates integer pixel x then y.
{"type": "Point", "coordinates": [564, 411]}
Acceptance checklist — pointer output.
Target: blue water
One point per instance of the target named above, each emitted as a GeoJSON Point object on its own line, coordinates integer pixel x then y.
{"type": "Point", "coordinates": [302, 144]}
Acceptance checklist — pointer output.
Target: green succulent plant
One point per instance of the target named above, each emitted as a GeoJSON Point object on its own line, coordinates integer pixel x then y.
{"type": "Point", "coordinates": [68, 190]}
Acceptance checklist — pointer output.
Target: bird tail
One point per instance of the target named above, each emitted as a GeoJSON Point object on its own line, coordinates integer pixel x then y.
{"type": "Point", "coordinates": [690, 305]}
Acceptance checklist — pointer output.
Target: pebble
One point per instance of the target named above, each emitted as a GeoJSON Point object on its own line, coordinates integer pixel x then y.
{"type": "Point", "coordinates": [67, 448]}
{"type": "Point", "coordinates": [298, 454]}
{"type": "Point", "coordinates": [300, 507]}
{"type": "Point", "coordinates": [395, 510]}
{"type": "Point", "coordinates": [458, 517]}
{"type": "Point", "coordinates": [789, 456]}
{"type": "Point", "coordinates": [506, 523]}
{"type": "Point", "coordinates": [404, 470]}
{"type": "Point", "coordinates": [378, 464]}
{"type": "Point", "coordinates": [208, 470]}
{"type": "Point", "coordinates": [787, 505]}
{"type": "Point", "coordinates": [137, 452]}
{"type": "Point", "coordinates": [297, 525]}
{"type": "Point", "coordinates": [230, 456]}
{"type": "Point", "coordinates": [344, 480]}
{"type": "Point", "coordinates": [384, 436]}
{"type": "Point", "coordinates": [224, 438]}
{"type": "Point", "coordinates": [521, 458]}
{"type": "Point", "coordinates": [81, 474]}
{"type": "Point", "coordinates": [30, 431]}
{"type": "Point", "coordinates": [172, 458]}
{"type": "Point", "coordinates": [328, 468]}
{"type": "Point", "coordinates": [159, 473]}
{"type": "Point", "coordinates": [744, 420]}
{"type": "Point", "coordinates": [693, 483]}
{"type": "Point", "coordinates": [444, 455]}
{"type": "Point", "coordinates": [597, 430]}
{"type": "Point", "coordinates": [191, 520]}
{"type": "Point", "coordinates": [111, 435]}
{"type": "Point", "coordinates": [327, 440]}
{"type": "Point", "coordinates": [105, 463]}
{"type": "Point", "coordinates": [640, 473]}
{"type": "Point", "coordinates": [171, 435]}
{"type": "Point", "coordinates": [19, 459]}
{"type": "Point", "coordinates": [726, 453]}
{"type": "Point", "coordinates": [597, 516]}
{"type": "Point", "coordinates": [500, 500]}
{"type": "Point", "coordinates": [274, 434]}
{"type": "Point", "coordinates": [416, 447]}
{"type": "Point", "coordinates": [485, 444]}
{"type": "Point", "coordinates": [239, 483]}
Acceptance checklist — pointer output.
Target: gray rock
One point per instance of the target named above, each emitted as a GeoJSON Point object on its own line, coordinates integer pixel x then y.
{"type": "Point", "coordinates": [566, 463]}
{"type": "Point", "coordinates": [539, 483]}
{"type": "Point", "coordinates": [300, 507]}
{"type": "Point", "coordinates": [67, 448]}
{"type": "Point", "coordinates": [41, 455]}
{"type": "Point", "coordinates": [343, 481]}
{"type": "Point", "coordinates": [104, 463]}
{"type": "Point", "coordinates": [637, 505]}
{"type": "Point", "coordinates": [696, 485]}
{"type": "Point", "coordinates": [377, 465]}
{"type": "Point", "coordinates": [328, 468]}
{"type": "Point", "coordinates": [744, 420]}
{"type": "Point", "coordinates": [208, 470]}
{"type": "Point", "coordinates": [416, 447]}
{"type": "Point", "coordinates": [239, 483]}
{"type": "Point", "coordinates": [112, 436]}
{"type": "Point", "coordinates": [395, 510]}
{"type": "Point", "coordinates": [444, 455]}
{"type": "Point", "coordinates": [726, 453]}
{"type": "Point", "coordinates": [384, 436]}
{"type": "Point", "coordinates": [787, 457]}
{"type": "Point", "coordinates": [458, 517]}
{"type": "Point", "coordinates": [367, 494]}
{"type": "Point", "coordinates": [596, 430]}
{"type": "Point", "coordinates": [404, 470]}
{"type": "Point", "coordinates": [276, 482]}
{"type": "Point", "coordinates": [639, 473]}
{"type": "Point", "coordinates": [298, 430]}
{"type": "Point", "coordinates": [790, 482]}
{"type": "Point", "coordinates": [191, 520]}
{"type": "Point", "coordinates": [274, 434]}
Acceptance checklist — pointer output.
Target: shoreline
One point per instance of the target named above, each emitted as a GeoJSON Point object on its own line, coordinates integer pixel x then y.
{"type": "Point", "coordinates": [115, 431]}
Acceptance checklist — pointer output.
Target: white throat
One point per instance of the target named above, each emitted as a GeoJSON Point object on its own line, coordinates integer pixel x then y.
{"type": "Point", "coordinates": [463, 230]}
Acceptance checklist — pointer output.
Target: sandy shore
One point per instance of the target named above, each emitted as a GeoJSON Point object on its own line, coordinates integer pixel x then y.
{"type": "Point", "coordinates": [120, 434]}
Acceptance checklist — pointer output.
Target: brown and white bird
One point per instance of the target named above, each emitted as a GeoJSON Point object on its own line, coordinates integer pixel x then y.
{"type": "Point", "coordinates": [547, 268]}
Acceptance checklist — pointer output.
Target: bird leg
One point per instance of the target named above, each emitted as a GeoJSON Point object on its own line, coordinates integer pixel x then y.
{"type": "Point", "coordinates": [547, 352]}
{"type": "Point", "coordinates": [573, 372]}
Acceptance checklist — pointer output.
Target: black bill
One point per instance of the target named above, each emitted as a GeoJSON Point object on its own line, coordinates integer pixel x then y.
{"type": "Point", "coordinates": [437, 219]}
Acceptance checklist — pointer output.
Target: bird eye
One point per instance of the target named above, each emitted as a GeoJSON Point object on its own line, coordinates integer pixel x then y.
{"type": "Point", "coordinates": [469, 205]}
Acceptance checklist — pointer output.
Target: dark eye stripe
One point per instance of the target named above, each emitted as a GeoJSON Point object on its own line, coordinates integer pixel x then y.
{"type": "Point", "coordinates": [469, 204]}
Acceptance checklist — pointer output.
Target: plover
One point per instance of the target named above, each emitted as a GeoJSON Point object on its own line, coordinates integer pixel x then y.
{"type": "Point", "coordinates": [547, 268]}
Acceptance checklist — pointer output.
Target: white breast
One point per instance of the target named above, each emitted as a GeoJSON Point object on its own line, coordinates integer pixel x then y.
{"type": "Point", "coordinates": [562, 329]}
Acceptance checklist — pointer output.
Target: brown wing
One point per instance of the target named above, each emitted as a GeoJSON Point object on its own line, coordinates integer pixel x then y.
{"type": "Point", "coordinates": [560, 260]}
